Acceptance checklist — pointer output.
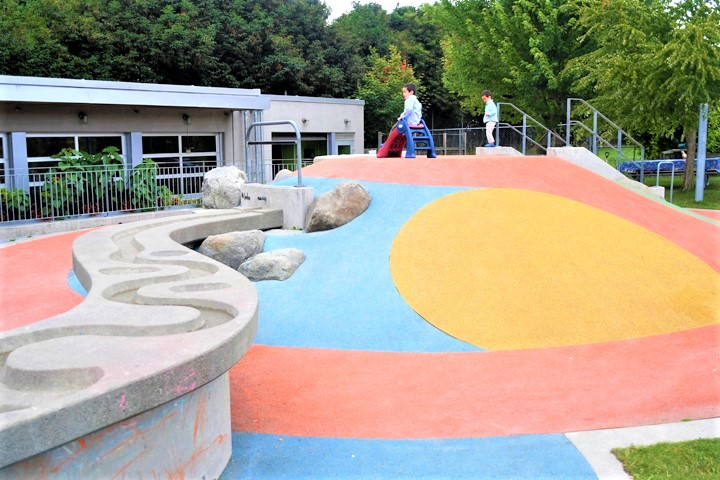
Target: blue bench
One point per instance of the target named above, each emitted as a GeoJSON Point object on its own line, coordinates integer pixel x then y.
{"type": "Point", "coordinates": [665, 168]}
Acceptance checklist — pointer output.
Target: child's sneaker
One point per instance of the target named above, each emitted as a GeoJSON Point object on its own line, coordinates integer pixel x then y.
{"type": "Point", "coordinates": [489, 145]}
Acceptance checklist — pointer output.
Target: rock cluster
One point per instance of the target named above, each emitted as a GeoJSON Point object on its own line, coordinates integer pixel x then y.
{"type": "Point", "coordinates": [243, 251]}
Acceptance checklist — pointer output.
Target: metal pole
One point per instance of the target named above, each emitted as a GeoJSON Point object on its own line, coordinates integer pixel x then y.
{"type": "Point", "coordinates": [497, 127]}
{"type": "Point", "coordinates": [619, 149]}
{"type": "Point", "coordinates": [700, 160]}
{"type": "Point", "coordinates": [524, 134]}
{"type": "Point", "coordinates": [299, 157]}
{"type": "Point", "coordinates": [567, 123]}
{"type": "Point", "coordinates": [594, 133]}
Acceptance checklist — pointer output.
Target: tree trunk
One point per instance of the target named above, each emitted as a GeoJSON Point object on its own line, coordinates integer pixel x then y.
{"type": "Point", "coordinates": [689, 177]}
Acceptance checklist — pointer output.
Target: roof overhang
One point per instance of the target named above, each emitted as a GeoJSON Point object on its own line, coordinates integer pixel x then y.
{"type": "Point", "coordinates": [97, 92]}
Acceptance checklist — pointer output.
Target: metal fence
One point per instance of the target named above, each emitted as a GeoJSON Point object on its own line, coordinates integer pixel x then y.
{"type": "Point", "coordinates": [291, 165]}
{"type": "Point", "coordinates": [52, 194]}
{"type": "Point", "coordinates": [464, 141]}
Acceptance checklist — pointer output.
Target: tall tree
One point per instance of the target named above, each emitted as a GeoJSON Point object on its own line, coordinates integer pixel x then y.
{"type": "Point", "coordinates": [381, 88]}
{"type": "Point", "coordinates": [355, 35]}
{"type": "Point", "coordinates": [28, 44]}
{"type": "Point", "coordinates": [515, 48]}
{"type": "Point", "coordinates": [713, 137]}
{"type": "Point", "coordinates": [275, 45]}
{"type": "Point", "coordinates": [418, 38]}
{"type": "Point", "coordinates": [654, 64]}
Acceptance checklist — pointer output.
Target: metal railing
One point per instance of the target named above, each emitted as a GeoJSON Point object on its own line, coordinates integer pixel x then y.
{"type": "Point", "coordinates": [530, 137]}
{"type": "Point", "coordinates": [594, 135]}
{"type": "Point", "coordinates": [257, 174]}
{"type": "Point", "coordinates": [532, 133]}
{"type": "Point", "coordinates": [291, 165]}
{"type": "Point", "coordinates": [51, 194]}
{"type": "Point", "coordinates": [672, 175]}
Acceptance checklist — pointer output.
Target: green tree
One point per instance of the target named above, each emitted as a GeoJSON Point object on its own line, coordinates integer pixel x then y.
{"type": "Point", "coordinates": [418, 38]}
{"type": "Point", "coordinates": [280, 47]}
{"type": "Point", "coordinates": [366, 28]}
{"type": "Point", "coordinates": [274, 45]}
{"type": "Point", "coordinates": [515, 48]}
{"type": "Point", "coordinates": [28, 45]}
{"type": "Point", "coordinates": [654, 64]}
{"type": "Point", "coordinates": [713, 136]}
{"type": "Point", "coordinates": [381, 88]}
{"type": "Point", "coordinates": [355, 35]}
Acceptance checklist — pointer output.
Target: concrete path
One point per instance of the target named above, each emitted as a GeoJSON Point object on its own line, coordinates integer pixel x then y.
{"type": "Point", "coordinates": [346, 379]}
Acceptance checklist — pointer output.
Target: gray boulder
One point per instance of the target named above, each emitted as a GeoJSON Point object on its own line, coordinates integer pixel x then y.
{"type": "Point", "coordinates": [221, 187]}
{"type": "Point", "coordinates": [274, 265]}
{"type": "Point", "coordinates": [337, 207]}
{"type": "Point", "coordinates": [233, 248]}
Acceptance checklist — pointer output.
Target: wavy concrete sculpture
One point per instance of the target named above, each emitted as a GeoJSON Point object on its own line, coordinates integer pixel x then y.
{"type": "Point", "coordinates": [134, 379]}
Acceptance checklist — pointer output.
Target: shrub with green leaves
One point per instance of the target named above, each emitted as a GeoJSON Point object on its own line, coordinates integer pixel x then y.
{"type": "Point", "coordinates": [14, 204]}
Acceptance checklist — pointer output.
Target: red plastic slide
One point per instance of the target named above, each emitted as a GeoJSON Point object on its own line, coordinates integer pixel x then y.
{"type": "Point", "coordinates": [393, 146]}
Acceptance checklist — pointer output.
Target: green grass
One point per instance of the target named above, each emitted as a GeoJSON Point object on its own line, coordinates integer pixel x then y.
{"type": "Point", "coordinates": [711, 196]}
{"type": "Point", "coordinates": [610, 154]}
{"type": "Point", "coordinates": [693, 460]}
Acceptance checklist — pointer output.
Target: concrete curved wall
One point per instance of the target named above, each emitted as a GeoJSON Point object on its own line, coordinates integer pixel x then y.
{"type": "Point", "coordinates": [159, 323]}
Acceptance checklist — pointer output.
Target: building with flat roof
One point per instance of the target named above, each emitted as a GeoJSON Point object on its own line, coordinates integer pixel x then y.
{"type": "Point", "coordinates": [184, 129]}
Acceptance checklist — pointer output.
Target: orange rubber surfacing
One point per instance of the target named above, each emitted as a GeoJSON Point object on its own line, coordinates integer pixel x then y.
{"type": "Point", "coordinates": [512, 269]}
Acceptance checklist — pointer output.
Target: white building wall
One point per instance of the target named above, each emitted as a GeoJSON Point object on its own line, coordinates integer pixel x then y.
{"type": "Point", "coordinates": [321, 115]}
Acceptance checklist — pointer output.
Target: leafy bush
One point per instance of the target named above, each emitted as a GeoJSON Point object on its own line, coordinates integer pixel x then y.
{"type": "Point", "coordinates": [83, 182]}
{"type": "Point", "coordinates": [14, 204]}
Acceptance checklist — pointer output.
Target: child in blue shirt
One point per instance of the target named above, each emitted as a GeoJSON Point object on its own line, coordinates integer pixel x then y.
{"type": "Point", "coordinates": [413, 108]}
{"type": "Point", "coordinates": [491, 117]}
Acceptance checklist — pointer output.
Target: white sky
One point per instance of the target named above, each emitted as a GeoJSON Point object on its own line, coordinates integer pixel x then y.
{"type": "Point", "coordinates": [339, 7]}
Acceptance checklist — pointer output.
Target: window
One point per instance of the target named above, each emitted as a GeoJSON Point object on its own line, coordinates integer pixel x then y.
{"type": "Point", "coordinates": [182, 159]}
{"type": "Point", "coordinates": [285, 155]}
{"type": "Point", "coordinates": [41, 148]}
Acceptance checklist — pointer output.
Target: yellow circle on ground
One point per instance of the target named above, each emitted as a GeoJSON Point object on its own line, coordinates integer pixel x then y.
{"type": "Point", "coordinates": [510, 269]}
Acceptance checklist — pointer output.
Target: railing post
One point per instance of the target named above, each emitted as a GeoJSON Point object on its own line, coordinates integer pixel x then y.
{"type": "Point", "coordinates": [672, 176]}
{"type": "Point", "coordinates": [497, 127]}
{"type": "Point", "coordinates": [594, 133]}
{"type": "Point", "coordinates": [619, 149]}
{"type": "Point", "coordinates": [524, 134]}
{"type": "Point", "coordinates": [700, 160]}
{"type": "Point", "coordinates": [567, 122]}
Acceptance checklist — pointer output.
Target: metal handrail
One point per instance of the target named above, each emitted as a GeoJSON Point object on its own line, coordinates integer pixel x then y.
{"type": "Point", "coordinates": [523, 133]}
{"type": "Point", "coordinates": [621, 155]}
{"type": "Point", "coordinates": [519, 132]}
{"type": "Point", "coordinates": [672, 176]}
{"type": "Point", "coordinates": [275, 142]}
{"type": "Point", "coordinates": [596, 136]}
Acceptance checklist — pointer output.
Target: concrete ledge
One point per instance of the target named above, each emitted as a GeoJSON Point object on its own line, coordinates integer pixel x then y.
{"type": "Point", "coordinates": [292, 200]}
{"type": "Point", "coordinates": [496, 151]}
{"type": "Point", "coordinates": [583, 157]}
{"type": "Point", "coordinates": [160, 321]}
{"type": "Point", "coordinates": [189, 437]}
